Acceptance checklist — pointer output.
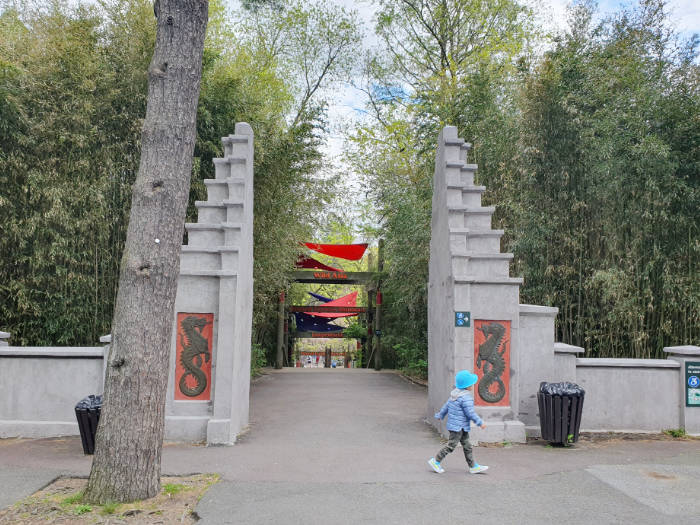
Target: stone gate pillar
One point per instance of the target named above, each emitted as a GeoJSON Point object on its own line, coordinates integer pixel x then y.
{"type": "Point", "coordinates": [208, 390]}
{"type": "Point", "coordinates": [473, 310]}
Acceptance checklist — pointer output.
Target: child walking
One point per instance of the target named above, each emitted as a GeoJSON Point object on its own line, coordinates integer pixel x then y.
{"type": "Point", "coordinates": [460, 411]}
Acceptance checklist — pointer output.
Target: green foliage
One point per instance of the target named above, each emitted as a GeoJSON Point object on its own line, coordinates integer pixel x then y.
{"type": "Point", "coordinates": [173, 488]}
{"type": "Point", "coordinates": [411, 359]}
{"type": "Point", "coordinates": [73, 498]}
{"type": "Point", "coordinates": [590, 154]}
{"type": "Point", "coordinates": [109, 508]}
{"type": "Point", "coordinates": [72, 98]}
{"type": "Point", "coordinates": [69, 157]}
{"type": "Point", "coordinates": [675, 432]}
{"type": "Point", "coordinates": [604, 210]}
{"type": "Point", "coordinates": [355, 330]}
{"type": "Point", "coordinates": [258, 360]}
{"type": "Point", "coordinates": [448, 63]}
{"type": "Point", "coordinates": [82, 509]}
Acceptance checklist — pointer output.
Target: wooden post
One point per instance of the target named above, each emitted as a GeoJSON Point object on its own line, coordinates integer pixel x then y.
{"type": "Point", "coordinates": [287, 350]}
{"type": "Point", "coordinates": [368, 350]}
{"type": "Point", "coordinates": [280, 333]}
{"type": "Point", "coordinates": [377, 311]}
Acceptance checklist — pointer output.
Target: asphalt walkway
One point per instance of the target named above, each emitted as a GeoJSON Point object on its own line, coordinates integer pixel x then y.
{"type": "Point", "coordinates": [342, 446]}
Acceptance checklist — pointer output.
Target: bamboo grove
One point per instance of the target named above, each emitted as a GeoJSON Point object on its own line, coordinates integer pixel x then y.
{"type": "Point", "coordinates": [587, 139]}
{"type": "Point", "coordinates": [72, 100]}
{"type": "Point", "coordinates": [589, 150]}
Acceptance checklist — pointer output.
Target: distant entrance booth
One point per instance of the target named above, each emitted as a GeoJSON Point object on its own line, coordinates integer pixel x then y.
{"type": "Point", "coordinates": [315, 321]}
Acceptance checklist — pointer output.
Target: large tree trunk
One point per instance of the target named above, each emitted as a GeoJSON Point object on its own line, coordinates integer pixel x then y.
{"type": "Point", "coordinates": [126, 466]}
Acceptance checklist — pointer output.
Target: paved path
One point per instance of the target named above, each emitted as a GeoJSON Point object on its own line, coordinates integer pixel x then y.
{"type": "Point", "coordinates": [350, 446]}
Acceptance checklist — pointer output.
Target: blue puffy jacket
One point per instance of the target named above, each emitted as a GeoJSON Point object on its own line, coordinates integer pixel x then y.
{"type": "Point", "coordinates": [460, 411]}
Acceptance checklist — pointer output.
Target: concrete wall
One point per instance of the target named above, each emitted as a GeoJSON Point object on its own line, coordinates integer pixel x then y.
{"type": "Point", "coordinates": [629, 394]}
{"type": "Point", "coordinates": [41, 386]}
{"type": "Point", "coordinates": [467, 273]}
{"type": "Point", "coordinates": [216, 277]}
{"type": "Point", "coordinates": [535, 359]}
{"type": "Point", "coordinates": [622, 395]}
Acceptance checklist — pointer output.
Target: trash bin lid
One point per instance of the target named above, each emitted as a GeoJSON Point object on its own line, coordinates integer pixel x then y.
{"type": "Point", "coordinates": [91, 401]}
{"type": "Point", "coordinates": [561, 389]}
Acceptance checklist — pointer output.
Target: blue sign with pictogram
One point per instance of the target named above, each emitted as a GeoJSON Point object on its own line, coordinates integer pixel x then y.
{"type": "Point", "coordinates": [692, 384]}
{"type": "Point", "coordinates": [462, 319]}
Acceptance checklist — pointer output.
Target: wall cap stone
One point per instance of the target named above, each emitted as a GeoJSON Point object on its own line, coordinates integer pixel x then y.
{"type": "Point", "coordinates": [691, 350]}
{"type": "Point", "coordinates": [534, 309]}
{"type": "Point", "coordinates": [53, 351]}
{"type": "Point", "coordinates": [563, 348]}
{"type": "Point", "coordinates": [625, 363]}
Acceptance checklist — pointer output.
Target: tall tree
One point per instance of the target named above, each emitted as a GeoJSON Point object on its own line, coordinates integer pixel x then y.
{"type": "Point", "coordinates": [127, 458]}
{"type": "Point", "coordinates": [443, 62]}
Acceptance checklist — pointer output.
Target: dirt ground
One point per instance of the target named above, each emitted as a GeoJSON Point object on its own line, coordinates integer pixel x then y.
{"type": "Point", "coordinates": [60, 503]}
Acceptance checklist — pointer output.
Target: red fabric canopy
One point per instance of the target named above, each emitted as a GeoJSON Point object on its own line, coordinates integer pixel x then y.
{"type": "Point", "coordinates": [350, 252]}
{"type": "Point", "coordinates": [346, 300]}
{"type": "Point", "coordinates": [309, 262]}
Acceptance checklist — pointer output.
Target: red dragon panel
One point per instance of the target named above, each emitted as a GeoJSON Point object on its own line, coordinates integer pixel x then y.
{"type": "Point", "coordinates": [193, 359]}
{"type": "Point", "coordinates": [492, 362]}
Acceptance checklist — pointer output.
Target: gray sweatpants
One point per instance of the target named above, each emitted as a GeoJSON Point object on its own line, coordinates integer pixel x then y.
{"type": "Point", "coordinates": [461, 437]}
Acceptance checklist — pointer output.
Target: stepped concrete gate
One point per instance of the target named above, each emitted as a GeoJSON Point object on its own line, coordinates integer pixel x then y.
{"type": "Point", "coordinates": [473, 310]}
{"type": "Point", "coordinates": [209, 382]}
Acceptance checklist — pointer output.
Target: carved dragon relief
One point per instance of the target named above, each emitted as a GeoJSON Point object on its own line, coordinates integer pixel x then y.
{"type": "Point", "coordinates": [491, 356]}
{"type": "Point", "coordinates": [194, 346]}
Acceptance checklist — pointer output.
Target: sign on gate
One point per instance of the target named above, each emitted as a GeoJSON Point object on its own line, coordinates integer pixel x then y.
{"type": "Point", "coordinates": [463, 319]}
{"type": "Point", "coordinates": [692, 383]}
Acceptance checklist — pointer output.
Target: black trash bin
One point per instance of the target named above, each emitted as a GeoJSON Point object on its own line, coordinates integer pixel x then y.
{"type": "Point", "coordinates": [88, 413]}
{"type": "Point", "coordinates": [560, 411]}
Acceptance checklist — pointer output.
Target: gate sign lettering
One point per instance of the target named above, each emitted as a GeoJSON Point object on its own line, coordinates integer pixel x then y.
{"type": "Point", "coordinates": [692, 383]}
{"type": "Point", "coordinates": [462, 319]}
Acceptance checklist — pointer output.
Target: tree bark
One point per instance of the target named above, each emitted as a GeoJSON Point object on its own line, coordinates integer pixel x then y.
{"type": "Point", "coordinates": [126, 466]}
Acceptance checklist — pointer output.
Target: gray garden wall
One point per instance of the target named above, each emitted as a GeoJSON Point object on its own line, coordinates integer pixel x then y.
{"type": "Point", "coordinates": [40, 387]}
{"type": "Point", "coordinates": [622, 395]}
{"type": "Point", "coordinates": [629, 394]}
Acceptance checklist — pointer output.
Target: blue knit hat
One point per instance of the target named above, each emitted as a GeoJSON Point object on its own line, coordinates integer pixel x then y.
{"type": "Point", "coordinates": [465, 379]}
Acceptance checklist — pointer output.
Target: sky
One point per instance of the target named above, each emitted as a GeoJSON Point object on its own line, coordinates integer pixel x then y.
{"type": "Point", "coordinates": [348, 102]}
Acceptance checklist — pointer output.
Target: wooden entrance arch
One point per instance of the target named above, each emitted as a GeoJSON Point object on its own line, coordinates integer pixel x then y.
{"type": "Point", "coordinates": [372, 312]}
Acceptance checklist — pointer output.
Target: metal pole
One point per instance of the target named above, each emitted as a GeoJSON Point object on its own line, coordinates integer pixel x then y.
{"type": "Point", "coordinates": [280, 333]}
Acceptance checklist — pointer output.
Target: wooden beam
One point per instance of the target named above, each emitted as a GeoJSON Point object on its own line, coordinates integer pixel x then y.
{"type": "Point", "coordinates": [330, 309]}
{"type": "Point", "coordinates": [325, 277]}
{"type": "Point", "coordinates": [319, 335]}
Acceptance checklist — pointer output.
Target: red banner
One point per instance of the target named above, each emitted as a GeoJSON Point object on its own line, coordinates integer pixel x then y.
{"type": "Point", "coordinates": [492, 362]}
{"type": "Point", "coordinates": [310, 262]}
{"type": "Point", "coordinates": [346, 300]}
{"type": "Point", "coordinates": [193, 356]}
{"type": "Point", "coordinates": [350, 252]}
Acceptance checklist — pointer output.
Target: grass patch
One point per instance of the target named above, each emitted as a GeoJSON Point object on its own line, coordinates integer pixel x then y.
{"type": "Point", "coordinates": [173, 488]}
{"type": "Point", "coordinates": [73, 498]}
{"type": "Point", "coordinates": [63, 502]}
{"type": "Point", "coordinates": [675, 432]}
{"type": "Point", "coordinates": [82, 509]}
{"type": "Point", "coordinates": [109, 509]}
